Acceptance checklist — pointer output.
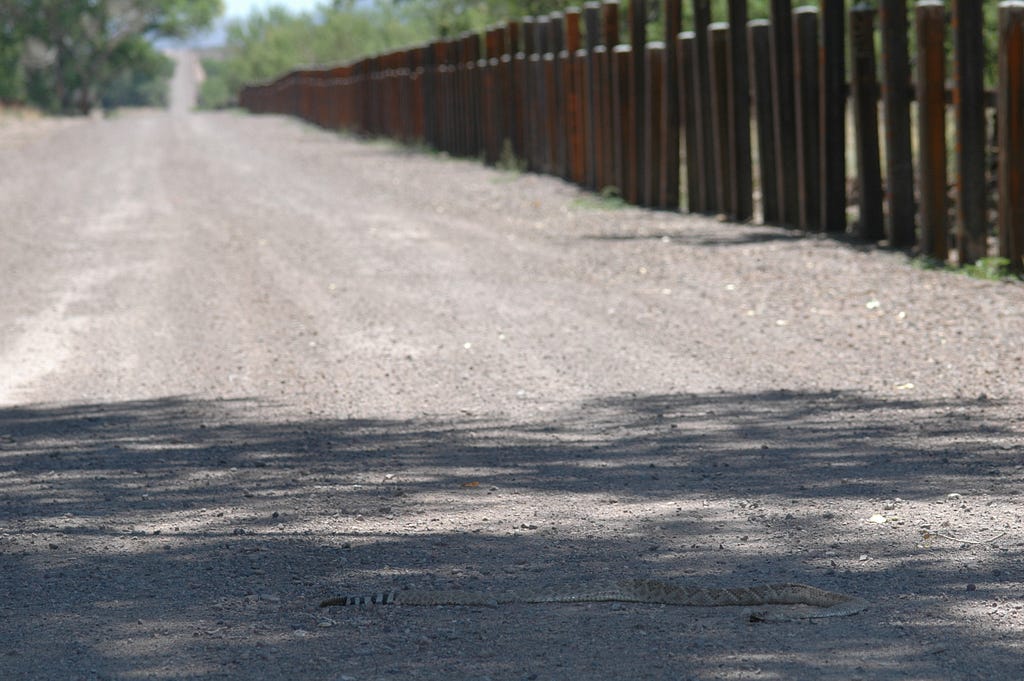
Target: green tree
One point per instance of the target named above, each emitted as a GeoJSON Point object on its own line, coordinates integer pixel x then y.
{"type": "Point", "coordinates": [269, 43]}
{"type": "Point", "coordinates": [144, 83]}
{"type": "Point", "coordinates": [72, 50]}
{"type": "Point", "coordinates": [12, 85]}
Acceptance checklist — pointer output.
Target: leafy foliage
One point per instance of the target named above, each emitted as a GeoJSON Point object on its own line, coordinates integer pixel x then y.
{"type": "Point", "coordinates": [73, 54]}
{"type": "Point", "coordinates": [144, 83]}
{"type": "Point", "coordinates": [269, 43]}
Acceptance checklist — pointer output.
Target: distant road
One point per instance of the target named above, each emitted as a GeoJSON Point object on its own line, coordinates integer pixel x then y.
{"type": "Point", "coordinates": [184, 88]}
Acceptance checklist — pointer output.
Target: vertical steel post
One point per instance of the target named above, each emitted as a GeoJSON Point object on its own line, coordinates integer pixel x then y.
{"type": "Point", "coordinates": [592, 23]}
{"type": "Point", "coordinates": [785, 111]}
{"type": "Point", "coordinates": [931, 107]}
{"type": "Point", "coordinates": [686, 53]}
{"type": "Point", "coordinates": [865, 103]}
{"type": "Point", "coordinates": [610, 38]}
{"type": "Point", "coordinates": [969, 101]}
{"type": "Point", "coordinates": [808, 116]}
{"type": "Point", "coordinates": [625, 114]}
{"type": "Point", "coordinates": [718, 53]}
{"type": "Point", "coordinates": [759, 36]}
{"type": "Point", "coordinates": [638, 38]}
{"type": "Point", "coordinates": [832, 56]}
{"type": "Point", "coordinates": [704, 152]}
{"type": "Point", "coordinates": [669, 189]}
{"type": "Point", "coordinates": [654, 54]}
{"type": "Point", "coordinates": [1011, 133]}
{"type": "Point", "coordinates": [742, 207]}
{"type": "Point", "coordinates": [896, 101]}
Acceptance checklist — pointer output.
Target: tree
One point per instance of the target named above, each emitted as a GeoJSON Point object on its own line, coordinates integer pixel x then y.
{"type": "Point", "coordinates": [12, 86]}
{"type": "Point", "coordinates": [269, 43]}
{"type": "Point", "coordinates": [77, 48]}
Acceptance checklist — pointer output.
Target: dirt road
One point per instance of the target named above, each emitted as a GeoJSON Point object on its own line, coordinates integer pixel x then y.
{"type": "Point", "coordinates": [246, 364]}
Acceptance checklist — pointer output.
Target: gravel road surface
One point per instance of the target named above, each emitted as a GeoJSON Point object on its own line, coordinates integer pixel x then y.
{"type": "Point", "coordinates": [246, 364]}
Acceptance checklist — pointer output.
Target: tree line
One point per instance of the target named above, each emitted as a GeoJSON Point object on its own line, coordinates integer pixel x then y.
{"type": "Point", "coordinates": [269, 43]}
{"type": "Point", "coordinates": [70, 56]}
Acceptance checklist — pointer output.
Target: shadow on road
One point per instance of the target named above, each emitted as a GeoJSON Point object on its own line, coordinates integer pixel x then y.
{"type": "Point", "coordinates": [690, 237]}
{"type": "Point", "coordinates": [796, 444]}
{"type": "Point", "coordinates": [124, 517]}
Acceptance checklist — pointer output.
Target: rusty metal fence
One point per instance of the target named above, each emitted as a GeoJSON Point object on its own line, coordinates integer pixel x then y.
{"type": "Point", "coordinates": [689, 122]}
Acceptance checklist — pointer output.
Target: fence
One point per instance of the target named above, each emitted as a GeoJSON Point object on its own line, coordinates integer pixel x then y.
{"type": "Point", "coordinates": [563, 95]}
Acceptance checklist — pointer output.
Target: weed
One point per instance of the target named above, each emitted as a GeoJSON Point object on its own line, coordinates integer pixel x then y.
{"type": "Point", "coordinates": [508, 161]}
{"type": "Point", "coordinates": [610, 198]}
{"type": "Point", "coordinates": [992, 268]}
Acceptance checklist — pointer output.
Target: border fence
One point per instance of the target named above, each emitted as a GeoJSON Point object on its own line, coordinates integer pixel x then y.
{"type": "Point", "coordinates": [689, 122]}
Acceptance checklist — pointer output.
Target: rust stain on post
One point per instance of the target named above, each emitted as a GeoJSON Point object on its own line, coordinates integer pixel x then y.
{"type": "Point", "coordinates": [1011, 133]}
{"type": "Point", "coordinates": [931, 107]}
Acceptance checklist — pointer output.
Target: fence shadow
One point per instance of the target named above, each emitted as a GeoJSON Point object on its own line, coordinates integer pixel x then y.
{"type": "Point", "coordinates": [741, 236]}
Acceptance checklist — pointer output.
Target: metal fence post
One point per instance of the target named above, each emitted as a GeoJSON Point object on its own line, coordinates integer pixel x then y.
{"type": "Point", "coordinates": [1011, 133]}
{"type": "Point", "coordinates": [833, 115]}
{"type": "Point", "coordinates": [718, 53]}
{"type": "Point", "coordinates": [669, 189]}
{"type": "Point", "coordinates": [742, 206]}
{"type": "Point", "coordinates": [969, 101]}
{"type": "Point", "coordinates": [808, 116]}
{"type": "Point", "coordinates": [931, 107]}
{"type": "Point", "coordinates": [687, 55]}
{"type": "Point", "coordinates": [785, 112]}
{"type": "Point", "coordinates": [654, 56]}
{"type": "Point", "coordinates": [896, 102]}
{"type": "Point", "coordinates": [759, 37]}
{"type": "Point", "coordinates": [865, 102]}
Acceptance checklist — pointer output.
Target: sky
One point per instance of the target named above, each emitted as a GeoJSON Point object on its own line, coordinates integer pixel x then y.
{"type": "Point", "coordinates": [237, 9]}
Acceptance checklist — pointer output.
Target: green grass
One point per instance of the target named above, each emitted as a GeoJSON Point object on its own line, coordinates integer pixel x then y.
{"type": "Point", "coordinates": [609, 199]}
{"type": "Point", "coordinates": [993, 268]}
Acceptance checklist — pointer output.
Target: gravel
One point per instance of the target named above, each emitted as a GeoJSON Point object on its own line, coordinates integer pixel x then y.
{"type": "Point", "coordinates": [246, 364]}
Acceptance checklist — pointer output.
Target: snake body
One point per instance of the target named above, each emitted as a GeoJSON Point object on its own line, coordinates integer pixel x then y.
{"type": "Point", "coordinates": [826, 603]}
